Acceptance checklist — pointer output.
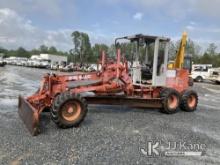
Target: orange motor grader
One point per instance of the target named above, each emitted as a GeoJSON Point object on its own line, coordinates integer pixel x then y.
{"type": "Point", "coordinates": [118, 82]}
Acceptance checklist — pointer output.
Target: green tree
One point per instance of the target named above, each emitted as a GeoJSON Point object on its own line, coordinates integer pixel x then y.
{"type": "Point", "coordinates": [35, 51]}
{"type": "Point", "coordinates": [86, 48]}
{"type": "Point", "coordinates": [205, 59]}
{"type": "Point", "coordinates": [211, 50]}
{"type": "Point", "coordinates": [21, 52]}
{"type": "Point", "coordinates": [72, 56]}
{"type": "Point", "coordinates": [52, 50]}
{"type": "Point", "coordinates": [76, 41]}
{"type": "Point", "coordinates": [82, 45]}
{"type": "Point", "coordinates": [127, 50]}
{"type": "Point", "coordinates": [3, 51]}
{"type": "Point", "coordinates": [43, 49]}
{"type": "Point", "coordinates": [97, 50]}
{"type": "Point", "coordinates": [112, 51]}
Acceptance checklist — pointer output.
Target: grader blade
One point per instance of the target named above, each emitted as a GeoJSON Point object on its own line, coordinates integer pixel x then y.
{"type": "Point", "coordinates": [29, 115]}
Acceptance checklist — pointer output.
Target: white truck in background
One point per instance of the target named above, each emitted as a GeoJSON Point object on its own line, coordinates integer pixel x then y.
{"type": "Point", "coordinates": [214, 75]}
{"type": "Point", "coordinates": [201, 72]}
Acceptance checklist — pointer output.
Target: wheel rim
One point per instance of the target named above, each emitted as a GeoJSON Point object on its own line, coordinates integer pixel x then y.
{"type": "Point", "coordinates": [71, 111]}
{"type": "Point", "coordinates": [199, 79]}
{"type": "Point", "coordinates": [172, 102]}
{"type": "Point", "coordinates": [191, 101]}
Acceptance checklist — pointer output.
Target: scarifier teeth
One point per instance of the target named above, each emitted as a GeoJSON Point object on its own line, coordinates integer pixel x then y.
{"type": "Point", "coordinates": [29, 116]}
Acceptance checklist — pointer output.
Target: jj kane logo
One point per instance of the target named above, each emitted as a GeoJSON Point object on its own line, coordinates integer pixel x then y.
{"type": "Point", "coordinates": [181, 148]}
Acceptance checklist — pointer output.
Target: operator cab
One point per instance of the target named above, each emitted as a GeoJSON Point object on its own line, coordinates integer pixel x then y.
{"type": "Point", "coordinates": [149, 56]}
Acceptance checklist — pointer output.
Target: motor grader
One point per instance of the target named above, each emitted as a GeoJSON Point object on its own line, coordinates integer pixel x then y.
{"type": "Point", "coordinates": [117, 83]}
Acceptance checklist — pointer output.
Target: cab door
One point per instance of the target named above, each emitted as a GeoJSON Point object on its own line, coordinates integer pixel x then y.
{"type": "Point", "coordinates": [160, 62]}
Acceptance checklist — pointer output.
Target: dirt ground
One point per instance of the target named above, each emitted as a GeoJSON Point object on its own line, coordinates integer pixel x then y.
{"type": "Point", "coordinates": [109, 134]}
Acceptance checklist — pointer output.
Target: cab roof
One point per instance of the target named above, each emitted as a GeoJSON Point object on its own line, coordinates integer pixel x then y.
{"type": "Point", "coordinates": [148, 38]}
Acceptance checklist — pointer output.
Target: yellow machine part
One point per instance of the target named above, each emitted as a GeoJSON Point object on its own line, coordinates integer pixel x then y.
{"type": "Point", "coordinates": [179, 60]}
{"type": "Point", "coordinates": [170, 65]}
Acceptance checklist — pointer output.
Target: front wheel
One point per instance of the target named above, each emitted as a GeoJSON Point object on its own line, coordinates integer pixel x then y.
{"type": "Point", "coordinates": [189, 101]}
{"type": "Point", "coordinates": [170, 100]}
{"type": "Point", "coordinates": [199, 79]}
{"type": "Point", "coordinates": [68, 110]}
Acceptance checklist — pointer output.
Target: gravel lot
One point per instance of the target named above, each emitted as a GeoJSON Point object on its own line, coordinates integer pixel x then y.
{"type": "Point", "coordinates": [109, 134]}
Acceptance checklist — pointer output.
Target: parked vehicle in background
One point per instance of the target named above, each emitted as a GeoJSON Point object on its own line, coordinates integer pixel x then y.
{"type": "Point", "coordinates": [10, 60]}
{"type": "Point", "coordinates": [92, 67]}
{"type": "Point", "coordinates": [76, 67]}
{"type": "Point", "coordinates": [200, 72]}
{"type": "Point", "coordinates": [30, 63]}
{"type": "Point", "coordinates": [35, 63]}
{"type": "Point", "coordinates": [215, 75]}
{"type": "Point", "coordinates": [20, 61]}
{"type": "Point", "coordinates": [44, 64]}
{"type": "Point", "coordinates": [55, 61]}
{"type": "Point", "coordinates": [61, 66]}
{"type": "Point", "coordinates": [68, 68]}
{"type": "Point", "coordinates": [47, 61]}
{"type": "Point", "coordinates": [2, 62]}
{"type": "Point", "coordinates": [54, 66]}
{"type": "Point", "coordinates": [24, 62]}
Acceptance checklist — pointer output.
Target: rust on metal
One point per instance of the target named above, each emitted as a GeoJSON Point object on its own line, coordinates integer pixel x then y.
{"type": "Point", "coordinates": [29, 116]}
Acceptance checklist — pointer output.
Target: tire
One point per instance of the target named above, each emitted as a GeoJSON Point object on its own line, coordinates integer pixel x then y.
{"type": "Point", "coordinates": [68, 110]}
{"type": "Point", "coordinates": [189, 101]}
{"type": "Point", "coordinates": [170, 100]}
{"type": "Point", "coordinates": [199, 79]}
{"type": "Point", "coordinates": [217, 82]}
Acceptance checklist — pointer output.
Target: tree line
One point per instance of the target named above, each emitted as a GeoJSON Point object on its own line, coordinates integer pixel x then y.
{"type": "Point", "coordinates": [84, 52]}
{"type": "Point", "coordinates": [22, 52]}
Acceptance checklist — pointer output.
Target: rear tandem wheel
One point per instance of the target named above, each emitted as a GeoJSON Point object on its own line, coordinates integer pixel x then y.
{"type": "Point", "coordinates": [189, 101]}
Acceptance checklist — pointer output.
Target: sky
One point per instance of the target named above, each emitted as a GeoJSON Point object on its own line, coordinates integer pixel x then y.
{"type": "Point", "coordinates": [31, 23]}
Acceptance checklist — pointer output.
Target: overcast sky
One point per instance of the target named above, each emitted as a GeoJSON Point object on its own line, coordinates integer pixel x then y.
{"type": "Point", "coordinates": [30, 23]}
